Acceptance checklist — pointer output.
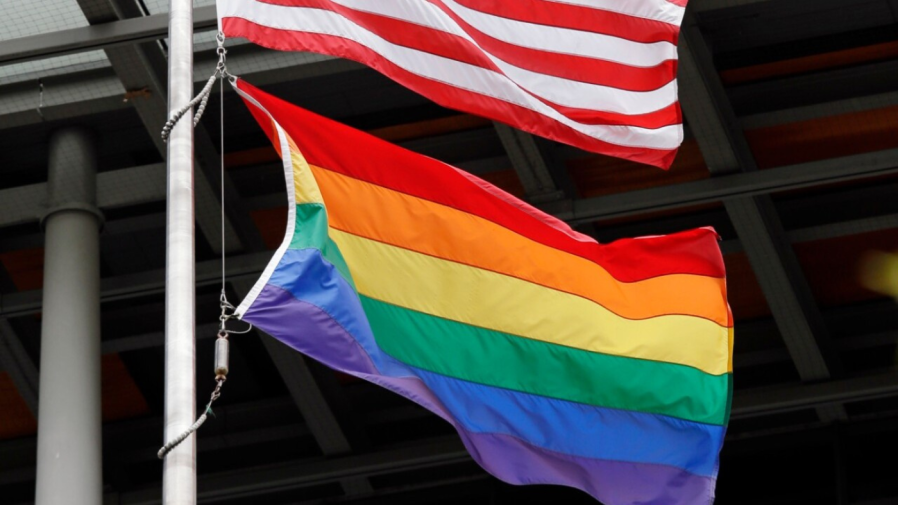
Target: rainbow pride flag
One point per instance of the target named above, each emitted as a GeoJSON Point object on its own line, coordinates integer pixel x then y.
{"type": "Point", "coordinates": [558, 360]}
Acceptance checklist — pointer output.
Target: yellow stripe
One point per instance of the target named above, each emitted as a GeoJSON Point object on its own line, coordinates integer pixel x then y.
{"type": "Point", "coordinates": [388, 216]}
{"type": "Point", "coordinates": [304, 185]}
{"type": "Point", "coordinates": [730, 344]}
{"type": "Point", "coordinates": [510, 305]}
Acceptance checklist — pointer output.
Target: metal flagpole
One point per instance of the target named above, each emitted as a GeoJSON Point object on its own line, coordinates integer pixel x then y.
{"type": "Point", "coordinates": [179, 468]}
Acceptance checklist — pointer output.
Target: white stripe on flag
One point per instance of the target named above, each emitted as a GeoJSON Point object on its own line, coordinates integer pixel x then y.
{"type": "Point", "coordinates": [590, 96]}
{"type": "Point", "coordinates": [658, 10]}
{"type": "Point", "coordinates": [566, 41]}
{"type": "Point", "coordinates": [529, 35]}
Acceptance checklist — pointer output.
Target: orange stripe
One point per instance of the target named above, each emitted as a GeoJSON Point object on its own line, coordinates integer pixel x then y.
{"type": "Point", "coordinates": [402, 220]}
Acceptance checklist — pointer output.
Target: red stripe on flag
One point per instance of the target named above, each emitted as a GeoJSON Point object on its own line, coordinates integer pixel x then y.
{"type": "Point", "coordinates": [323, 143]}
{"type": "Point", "coordinates": [448, 45]}
{"type": "Point", "coordinates": [670, 115]}
{"type": "Point", "coordinates": [443, 94]}
{"type": "Point", "coordinates": [402, 32]}
{"type": "Point", "coordinates": [577, 17]}
{"type": "Point", "coordinates": [570, 66]}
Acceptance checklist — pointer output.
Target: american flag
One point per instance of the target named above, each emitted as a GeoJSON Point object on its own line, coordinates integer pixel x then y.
{"type": "Point", "coordinates": [596, 74]}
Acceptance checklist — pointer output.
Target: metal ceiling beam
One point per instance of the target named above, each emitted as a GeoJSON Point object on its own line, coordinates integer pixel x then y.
{"type": "Point", "coordinates": [751, 25]}
{"type": "Point", "coordinates": [542, 173]}
{"type": "Point", "coordinates": [770, 356]}
{"type": "Point", "coordinates": [143, 67]}
{"type": "Point", "coordinates": [115, 189]}
{"type": "Point", "coordinates": [282, 477]}
{"type": "Point", "coordinates": [150, 340]}
{"type": "Point", "coordinates": [142, 284]}
{"type": "Point", "coordinates": [781, 279]}
{"type": "Point", "coordinates": [309, 398]}
{"type": "Point", "coordinates": [755, 219]}
{"type": "Point", "coordinates": [65, 96]}
{"type": "Point", "coordinates": [820, 110]}
{"type": "Point", "coordinates": [844, 228]}
{"type": "Point", "coordinates": [763, 401]}
{"type": "Point", "coordinates": [134, 66]}
{"type": "Point", "coordinates": [827, 231]}
{"type": "Point", "coordinates": [824, 86]}
{"type": "Point", "coordinates": [144, 184]}
{"type": "Point", "coordinates": [147, 184]}
{"type": "Point", "coordinates": [532, 169]}
{"type": "Point", "coordinates": [714, 189]}
{"type": "Point", "coordinates": [138, 432]}
{"type": "Point", "coordinates": [80, 93]}
{"type": "Point", "coordinates": [15, 361]}
{"type": "Point", "coordinates": [234, 426]}
{"type": "Point", "coordinates": [101, 36]}
{"type": "Point", "coordinates": [23, 204]}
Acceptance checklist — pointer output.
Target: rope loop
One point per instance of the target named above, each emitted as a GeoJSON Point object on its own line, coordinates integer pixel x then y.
{"type": "Point", "coordinates": [202, 98]}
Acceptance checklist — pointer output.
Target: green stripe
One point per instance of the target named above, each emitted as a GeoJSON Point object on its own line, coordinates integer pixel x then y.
{"type": "Point", "coordinates": [530, 366]}
{"type": "Point", "coordinates": [726, 417]}
{"type": "Point", "coordinates": [311, 232]}
{"type": "Point", "coordinates": [497, 359]}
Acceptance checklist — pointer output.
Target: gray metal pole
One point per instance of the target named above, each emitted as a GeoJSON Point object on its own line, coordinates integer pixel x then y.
{"type": "Point", "coordinates": [179, 468]}
{"type": "Point", "coordinates": [69, 435]}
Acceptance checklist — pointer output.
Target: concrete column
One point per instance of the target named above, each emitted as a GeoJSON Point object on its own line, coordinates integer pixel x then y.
{"type": "Point", "coordinates": [69, 436]}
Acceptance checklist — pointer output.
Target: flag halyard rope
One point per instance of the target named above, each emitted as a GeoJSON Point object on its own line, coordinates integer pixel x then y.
{"type": "Point", "coordinates": [227, 309]}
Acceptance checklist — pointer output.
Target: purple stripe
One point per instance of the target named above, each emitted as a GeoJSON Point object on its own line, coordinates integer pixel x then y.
{"type": "Point", "coordinates": [517, 462]}
{"type": "Point", "coordinates": [308, 329]}
{"type": "Point", "coordinates": [611, 482]}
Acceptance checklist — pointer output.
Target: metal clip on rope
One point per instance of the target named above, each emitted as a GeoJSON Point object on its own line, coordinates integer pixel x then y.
{"type": "Point", "coordinates": [221, 343]}
{"type": "Point", "coordinates": [203, 97]}
{"type": "Point", "coordinates": [222, 352]}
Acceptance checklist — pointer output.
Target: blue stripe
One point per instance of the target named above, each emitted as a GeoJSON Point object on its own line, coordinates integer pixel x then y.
{"type": "Point", "coordinates": [557, 425]}
{"type": "Point", "coordinates": [578, 429]}
{"type": "Point", "coordinates": [308, 276]}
